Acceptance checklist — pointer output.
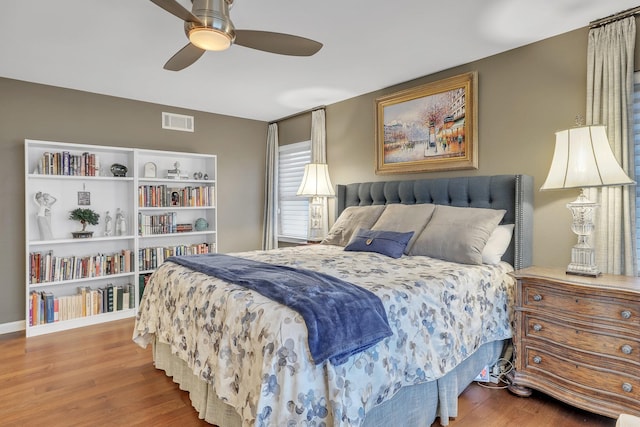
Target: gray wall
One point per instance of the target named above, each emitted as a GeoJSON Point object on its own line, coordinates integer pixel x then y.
{"type": "Point", "coordinates": [524, 97]}
{"type": "Point", "coordinates": [32, 111]}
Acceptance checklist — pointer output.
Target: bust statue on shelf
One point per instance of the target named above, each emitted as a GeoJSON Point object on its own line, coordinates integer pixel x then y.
{"type": "Point", "coordinates": [85, 216]}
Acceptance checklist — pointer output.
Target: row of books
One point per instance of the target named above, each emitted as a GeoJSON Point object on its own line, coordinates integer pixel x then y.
{"type": "Point", "coordinates": [151, 258]}
{"type": "Point", "coordinates": [184, 228]}
{"type": "Point", "coordinates": [45, 307]}
{"type": "Point", "coordinates": [163, 223]}
{"type": "Point", "coordinates": [164, 196]}
{"type": "Point", "coordinates": [65, 163]}
{"type": "Point", "coordinates": [46, 267]}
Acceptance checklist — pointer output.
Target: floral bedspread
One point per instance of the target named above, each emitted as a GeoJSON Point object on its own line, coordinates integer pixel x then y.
{"type": "Point", "coordinates": [254, 351]}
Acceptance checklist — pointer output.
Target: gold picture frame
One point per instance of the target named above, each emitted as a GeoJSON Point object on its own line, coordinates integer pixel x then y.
{"type": "Point", "coordinates": [428, 128]}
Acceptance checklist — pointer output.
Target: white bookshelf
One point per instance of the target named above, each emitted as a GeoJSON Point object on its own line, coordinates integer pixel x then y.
{"type": "Point", "coordinates": [110, 193]}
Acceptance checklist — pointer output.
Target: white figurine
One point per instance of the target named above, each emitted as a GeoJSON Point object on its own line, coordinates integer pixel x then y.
{"type": "Point", "coordinates": [121, 223]}
{"type": "Point", "coordinates": [44, 202]}
{"type": "Point", "coordinates": [108, 225]}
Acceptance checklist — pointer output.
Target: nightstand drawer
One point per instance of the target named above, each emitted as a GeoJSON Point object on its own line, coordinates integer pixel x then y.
{"type": "Point", "coordinates": [582, 378]}
{"type": "Point", "coordinates": [582, 338]}
{"type": "Point", "coordinates": [625, 312]}
{"type": "Point", "coordinates": [578, 339]}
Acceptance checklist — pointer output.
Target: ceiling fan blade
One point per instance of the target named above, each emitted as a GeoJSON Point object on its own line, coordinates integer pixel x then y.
{"type": "Point", "coordinates": [183, 58]}
{"type": "Point", "coordinates": [175, 8]}
{"type": "Point", "coordinates": [283, 44]}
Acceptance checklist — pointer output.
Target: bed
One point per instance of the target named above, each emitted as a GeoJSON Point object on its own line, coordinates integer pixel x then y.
{"type": "Point", "coordinates": [247, 360]}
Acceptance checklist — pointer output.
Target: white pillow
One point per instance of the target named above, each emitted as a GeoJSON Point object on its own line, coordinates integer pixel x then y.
{"type": "Point", "coordinates": [497, 244]}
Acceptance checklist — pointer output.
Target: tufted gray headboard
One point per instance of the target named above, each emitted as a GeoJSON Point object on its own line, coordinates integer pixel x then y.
{"type": "Point", "coordinates": [511, 192]}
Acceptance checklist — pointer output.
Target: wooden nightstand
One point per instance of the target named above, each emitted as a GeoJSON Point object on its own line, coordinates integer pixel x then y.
{"type": "Point", "coordinates": [578, 339]}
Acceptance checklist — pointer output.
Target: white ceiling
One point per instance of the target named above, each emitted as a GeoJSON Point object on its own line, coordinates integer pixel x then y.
{"type": "Point", "coordinates": [118, 47]}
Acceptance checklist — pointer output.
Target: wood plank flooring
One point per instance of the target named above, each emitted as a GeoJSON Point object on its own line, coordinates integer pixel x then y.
{"type": "Point", "coordinates": [96, 376]}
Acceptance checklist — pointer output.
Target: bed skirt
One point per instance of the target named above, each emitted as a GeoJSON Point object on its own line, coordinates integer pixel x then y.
{"type": "Point", "coordinates": [417, 405]}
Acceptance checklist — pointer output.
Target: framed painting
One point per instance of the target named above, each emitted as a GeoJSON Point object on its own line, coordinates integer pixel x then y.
{"type": "Point", "coordinates": [428, 128]}
{"type": "Point", "coordinates": [84, 198]}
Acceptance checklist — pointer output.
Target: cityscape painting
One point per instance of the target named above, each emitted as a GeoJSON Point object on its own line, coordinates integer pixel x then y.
{"type": "Point", "coordinates": [428, 128]}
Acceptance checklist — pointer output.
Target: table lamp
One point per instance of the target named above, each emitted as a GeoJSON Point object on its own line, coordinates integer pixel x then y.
{"type": "Point", "coordinates": [583, 159]}
{"type": "Point", "coordinates": [316, 184]}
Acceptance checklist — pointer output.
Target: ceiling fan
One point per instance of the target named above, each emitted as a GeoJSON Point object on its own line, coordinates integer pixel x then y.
{"type": "Point", "coordinates": [209, 27]}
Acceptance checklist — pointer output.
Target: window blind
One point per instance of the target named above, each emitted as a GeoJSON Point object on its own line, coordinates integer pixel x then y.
{"type": "Point", "coordinates": [293, 211]}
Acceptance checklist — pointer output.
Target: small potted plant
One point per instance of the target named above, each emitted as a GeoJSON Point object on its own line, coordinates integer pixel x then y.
{"type": "Point", "coordinates": [85, 216]}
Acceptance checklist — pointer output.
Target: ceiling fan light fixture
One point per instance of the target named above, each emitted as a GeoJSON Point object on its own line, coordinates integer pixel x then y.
{"type": "Point", "coordinates": [209, 39]}
{"type": "Point", "coordinates": [209, 27]}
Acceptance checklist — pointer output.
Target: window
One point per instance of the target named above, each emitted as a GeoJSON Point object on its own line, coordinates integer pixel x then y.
{"type": "Point", "coordinates": [293, 211]}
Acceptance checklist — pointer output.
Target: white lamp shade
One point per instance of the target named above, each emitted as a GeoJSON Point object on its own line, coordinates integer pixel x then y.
{"type": "Point", "coordinates": [583, 158]}
{"type": "Point", "coordinates": [316, 181]}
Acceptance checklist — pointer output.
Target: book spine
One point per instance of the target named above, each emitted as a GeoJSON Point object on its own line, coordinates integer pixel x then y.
{"type": "Point", "coordinates": [49, 308]}
{"type": "Point", "coordinates": [125, 297]}
{"type": "Point", "coordinates": [119, 291]}
{"type": "Point", "coordinates": [85, 164]}
{"type": "Point", "coordinates": [65, 163]}
{"type": "Point", "coordinates": [132, 296]}
{"type": "Point", "coordinates": [41, 315]}
{"type": "Point", "coordinates": [34, 309]}
{"type": "Point", "coordinates": [110, 298]}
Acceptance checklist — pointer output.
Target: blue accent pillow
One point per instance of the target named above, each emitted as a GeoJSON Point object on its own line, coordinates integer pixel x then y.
{"type": "Point", "coordinates": [389, 243]}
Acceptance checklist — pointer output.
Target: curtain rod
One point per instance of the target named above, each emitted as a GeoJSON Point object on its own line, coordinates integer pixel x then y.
{"type": "Point", "coordinates": [615, 17]}
{"type": "Point", "coordinates": [310, 110]}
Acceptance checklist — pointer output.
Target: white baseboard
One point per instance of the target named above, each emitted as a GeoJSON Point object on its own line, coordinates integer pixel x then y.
{"type": "Point", "coordinates": [6, 328]}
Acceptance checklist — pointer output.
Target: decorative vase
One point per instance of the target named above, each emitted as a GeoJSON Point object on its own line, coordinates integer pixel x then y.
{"type": "Point", "coordinates": [201, 224]}
{"type": "Point", "coordinates": [119, 170]}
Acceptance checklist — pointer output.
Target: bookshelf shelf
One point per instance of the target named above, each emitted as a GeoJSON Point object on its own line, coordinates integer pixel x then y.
{"type": "Point", "coordinates": [77, 178]}
{"type": "Point", "coordinates": [184, 234]}
{"type": "Point", "coordinates": [47, 328]}
{"type": "Point", "coordinates": [105, 277]}
{"type": "Point", "coordinates": [35, 243]}
{"type": "Point", "coordinates": [176, 182]}
{"type": "Point", "coordinates": [172, 208]}
{"type": "Point", "coordinates": [80, 175]}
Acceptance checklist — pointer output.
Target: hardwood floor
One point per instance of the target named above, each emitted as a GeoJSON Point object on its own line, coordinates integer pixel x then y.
{"type": "Point", "coordinates": [96, 376]}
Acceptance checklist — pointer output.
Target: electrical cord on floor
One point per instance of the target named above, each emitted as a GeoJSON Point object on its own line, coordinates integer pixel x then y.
{"type": "Point", "coordinates": [498, 375]}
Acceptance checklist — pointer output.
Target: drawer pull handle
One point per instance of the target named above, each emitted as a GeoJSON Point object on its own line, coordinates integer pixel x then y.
{"type": "Point", "coordinates": [537, 327]}
{"type": "Point", "coordinates": [626, 314]}
{"type": "Point", "coordinates": [538, 360]}
{"type": "Point", "coordinates": [627, 349]}
{"type": "Point", "coordinates": [627, 388]}
{"type": "Point", "coordinates": [538, 297]}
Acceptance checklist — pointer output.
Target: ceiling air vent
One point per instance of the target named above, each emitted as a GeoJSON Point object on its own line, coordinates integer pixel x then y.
{"type": "Point", "coordinates": [177, 122]}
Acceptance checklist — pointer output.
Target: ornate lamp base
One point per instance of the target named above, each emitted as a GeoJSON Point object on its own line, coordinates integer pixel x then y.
{"type": "Point", "coordinates": [583, 262]}
{"type": "Point", "coordinates": [315, 233]}
{"type": "Point", "coordinates": [583, 256]}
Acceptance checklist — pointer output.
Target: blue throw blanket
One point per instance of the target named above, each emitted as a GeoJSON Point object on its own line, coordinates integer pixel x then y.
{"type": "Point", "coordinates": [342, 319]}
